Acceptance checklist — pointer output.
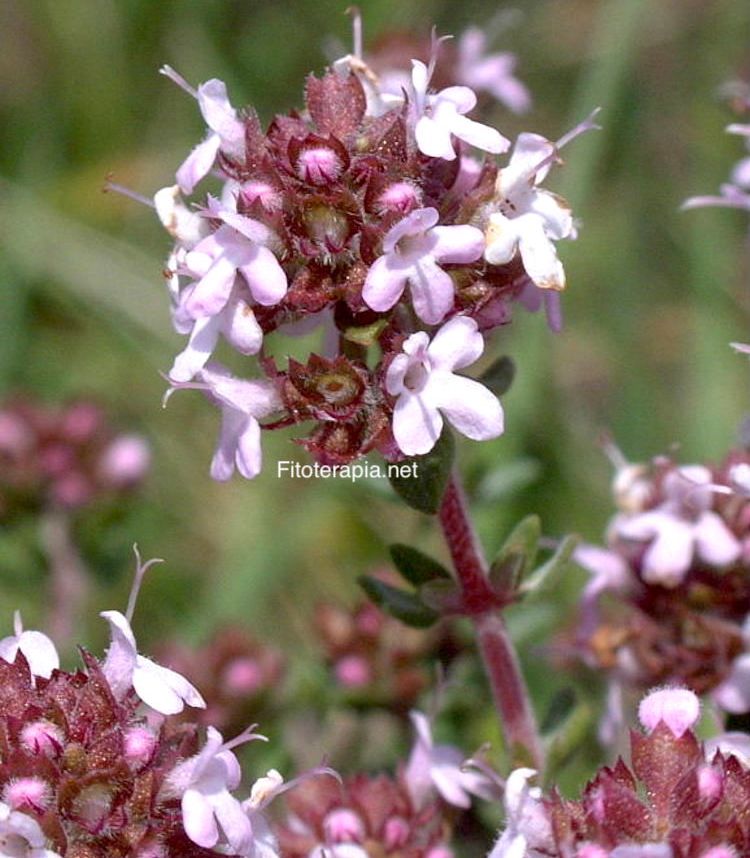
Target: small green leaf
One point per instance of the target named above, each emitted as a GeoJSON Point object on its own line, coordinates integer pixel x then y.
{"type": "Point", "coordinates": [516, 558]}
{"type": "Point", "coordinates": [403, 605]}
{"type": "Point", "coordinates": [415, 566]}
{"type": "Point", "coordinates": [499, 375]}
{"type": "Point", "coordinates": [549, 573]}
{"type": "Point", "coordinates": [365, 335]}
{"type": "Point", "coordinates": [442, 596]}
{"type": "Point", "coordinates": [560, 707]}
{"type": "Point", "coordinates": [424, 491]}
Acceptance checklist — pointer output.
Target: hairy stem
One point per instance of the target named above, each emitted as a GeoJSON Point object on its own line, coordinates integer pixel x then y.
{"type": "Point", "coordinates": [495, 646]}
{"type": "Point", "coordinates": [69, 582]}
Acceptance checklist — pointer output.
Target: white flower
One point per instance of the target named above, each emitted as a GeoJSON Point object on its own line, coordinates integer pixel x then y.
{"type": "Point", "coordinates": [528, 833]}
{"type": "Point", "coordinates": [440, 767]}
{"type": "Point", "coordinates": [21, 836]}
{"type": "Point", "coordinates": [529, 219]}
{"type": "Point", "coordinates": [242, 403]}
{"type": "Point", "coordinates": [36, 647]}
{"type": "Point", "coordinates": [211, 815]}
{"type": "Point", "coordinates": [441, 115]}
{"type": "Point", "coordinates": [227, 131]}
{"type": "Point", "coordinates": [681, 526]}
{"type": "Point", "coordinates": [412, 250]}
{"type": "Point", "coordinates": [422, 378]}
{"type": "Point", "coordinates": [162, 689]}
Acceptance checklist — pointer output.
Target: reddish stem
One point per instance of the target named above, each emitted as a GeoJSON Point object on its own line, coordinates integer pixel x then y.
{"type": "Point", "coordinates": [495, 646]}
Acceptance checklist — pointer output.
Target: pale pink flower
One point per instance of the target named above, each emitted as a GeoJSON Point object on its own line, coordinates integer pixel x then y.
{"type": "Point", "coordinates": [20, 835]}
{"type": "Point", "coordinates": [412, 250]}
{"type": "Point", "coordinates": [237, 247]}
{"type": "Point", "coordinates": [527, 832]}
{"type": "Point", "coordinates": [730, 197]}
{"type": "Point", "coordinates": [227, 131]}
{"type": "Point", "coordinates": [681, 526]}
{"type": "Point", "coordinates": [211, 815]}
{"type": "Point", "coordinates": [423, 380]}
{"type": "Point", "coordinates": [529, 219]}
{"type": "Point", "coordinates": [37, 648]}
{"type": "Point", "coordinates": [492, 73]}
{"type": "Point", "coordinates": [243, 403]}
{"type": "Point", "coordinates": [440, 116]}
{"type": "Point", "coordinates": [440, 768]}
{"type": "Point", "coordinates": [164, 690]}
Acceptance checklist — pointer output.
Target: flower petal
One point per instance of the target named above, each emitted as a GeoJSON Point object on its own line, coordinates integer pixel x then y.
{"type": "Point", "coordinates": [40, 653]}
{"type": "Point", "coordinates": [482, 136]}
{"type": "Point", "coordinates": [456, 345]}
{"type": "Point", "coordinates": [416, 425]}
{"type": "Point", "coordinates": [468, 405]}
{"type": "Point", "coordinates": [462, 243]}
{"type": "Point", "coordinates": [434, 139]}
{"type": "Point", "coordinates": [220, 116]}
{"type": "Point", "coordinates": [502, 239]}
{"type": "Point", "coordinates": [212, 291]}
{"type": "Point", "coordinates": [233, 424]}
{"type": "Point", "coordinates": [198, 819]}
{"type": "Point", "coordinates": [432, 290]}
{"type": "Point", "coordinates": [241, 328]}
{"type": "Point", "coordinates": [198, 163]}
{"type": "Point", "coordinates": [717, 545]}
{"type": "Point", "coordinates": [539, 254]}
{"type": "Point", "coordinates": [248, 456]}
{"type": "Point", "coordinates": [264, 276]}
{"type": "Point", "coordinates": [199, 349]}
{"type": "Point", "coordinates": [384, 285]}
{"type": "Point", "coordinates": [119, 664]}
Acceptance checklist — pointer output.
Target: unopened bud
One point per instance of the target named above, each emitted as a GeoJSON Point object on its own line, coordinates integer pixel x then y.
{"type": "Point", "coordinates": [678, 708]}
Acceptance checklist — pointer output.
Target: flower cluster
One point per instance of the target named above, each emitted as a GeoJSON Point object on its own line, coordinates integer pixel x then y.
{"type": "Point", "coordinates": [406, 816]}
{"type": "Point", "coordinates": [235, 672]}
{"type": "Point", "coordinates": [92, 767]}
{"type": "Point", "coordinates": [66, 456]}
{"type": "Point", "coordinates": [370, 216]}
{"type": "Point", "coordinates": [376, 658]}
{"type": "Point", "coordinates": [669, 597]}
{"type": "Point", "coordinates": [676, 799]}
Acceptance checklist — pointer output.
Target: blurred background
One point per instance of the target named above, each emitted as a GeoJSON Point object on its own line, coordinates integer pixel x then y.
{"type": "Point", "coordinates": [654, 295]}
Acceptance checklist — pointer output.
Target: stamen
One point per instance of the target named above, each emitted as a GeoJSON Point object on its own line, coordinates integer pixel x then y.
{"type": "Point", "coordinates": [357, 47]}
{"type": "Point", "coordinates": [140, 572]}
{"type": "Point", "coordinates": [169, 72]}
{"type": "Point", "coordinates": [242, 738]}
{"type": "Point", "coordinates": [613, 452]}
{"type": "Point", "coordinates": [114, 187]}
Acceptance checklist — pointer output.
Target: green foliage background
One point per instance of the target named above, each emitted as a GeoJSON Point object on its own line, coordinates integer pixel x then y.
{"type": "Point", "coordinates": [654, 295]}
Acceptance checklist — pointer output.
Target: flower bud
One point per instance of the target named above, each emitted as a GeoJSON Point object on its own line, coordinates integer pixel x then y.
{"type": "Point", "coordinates": [400, 197]}
{"type": "Point", "coordinates": [125, 461]}
{"type": "Point", "coordinates": [353, 671]}
{"type": "Point", "coordinates": [139, 745]}
{"type": "Point", "coordinates": [343, 826]}
{"type": "Point", "coordinates": [30, 793]}
{"type": "Point", "coordinates": [43, 738]}
{"type": "Point", "coordinates": [678, 708]}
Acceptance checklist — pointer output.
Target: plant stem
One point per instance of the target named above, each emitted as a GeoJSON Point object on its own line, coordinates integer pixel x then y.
{"type": "Point", "coordinates": [495, 646]}
{"type": "Point", "coordinates": [69, 581]}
